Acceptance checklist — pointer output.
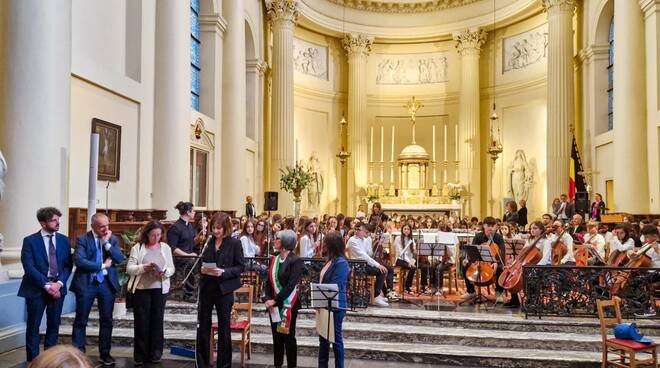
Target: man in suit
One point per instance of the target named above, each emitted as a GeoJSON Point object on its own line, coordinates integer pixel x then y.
{"type": "Point", "coordinates": [47, 262]}
{"type": "Point", "coordinates": [566, 209]}
{"type": "Point", "coordinates": [97, 254]}
{"type": "Point", "coordinates": [250, 209]}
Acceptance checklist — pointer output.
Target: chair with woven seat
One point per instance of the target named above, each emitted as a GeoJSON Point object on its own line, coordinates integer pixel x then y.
{"type": "Point", "coordinates": [243, 306]}
{"type": "Point", "coordinates": [626, 351]}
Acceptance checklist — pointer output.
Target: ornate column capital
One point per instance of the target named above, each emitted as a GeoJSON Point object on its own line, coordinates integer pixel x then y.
{"type": "Point", "coordinates": [469, 41]}
{"type": "Point", "coordinates": [282, 11]}
{"type": "Point", "coordinates": [559, 5]}
{"type": "Point", "coordinates": [357, 44]}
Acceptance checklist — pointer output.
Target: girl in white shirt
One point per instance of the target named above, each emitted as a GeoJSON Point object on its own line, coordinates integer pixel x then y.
{"type": "Point", "coordinates": [595, 239]}
{"type": "Point", "coordinates": [310, 241]}
{"type": "Point", "coordinates": [405, 250]}
{"type": "Point", "coordinates": [248, 241]}
{"type": "Point", "coordinates": [543, 244]}
{"type": "Point", "coordinates": [622, 240]}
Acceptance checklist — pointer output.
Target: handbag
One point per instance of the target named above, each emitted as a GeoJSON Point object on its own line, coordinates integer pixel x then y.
{"type": "Point", "coordinates": [129, 290]}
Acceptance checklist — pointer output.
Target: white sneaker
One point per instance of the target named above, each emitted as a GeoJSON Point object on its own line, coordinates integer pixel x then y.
{"type": "Point", "coordinates": [498, 298]}
{"type": "Point", "coordinates": [379, 301]}
{"type": "Point", "coordinates": [392, 295]}
{"type": "Point", "coordinates": [468, 296]}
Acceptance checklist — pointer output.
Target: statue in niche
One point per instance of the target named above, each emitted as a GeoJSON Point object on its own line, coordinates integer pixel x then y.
{"type": "Point", "coordinates": [520, 175]}
{"type": "Point", "coordinates": [315, 189]}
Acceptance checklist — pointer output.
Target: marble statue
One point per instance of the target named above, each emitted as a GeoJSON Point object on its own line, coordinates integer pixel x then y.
{"type": "Point", "coordinates": [315, 189]}
{"type": "Point", "coordinates": [520, 175]}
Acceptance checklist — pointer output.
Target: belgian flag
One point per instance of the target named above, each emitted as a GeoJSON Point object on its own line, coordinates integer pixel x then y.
{"type": "Point", "coordinates": [576, 181]}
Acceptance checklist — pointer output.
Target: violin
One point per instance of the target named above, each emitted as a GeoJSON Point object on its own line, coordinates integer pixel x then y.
{"type": "Point", "coordinates": [511, 278]}
{"type": "Point", "coordinates": [636, 260]}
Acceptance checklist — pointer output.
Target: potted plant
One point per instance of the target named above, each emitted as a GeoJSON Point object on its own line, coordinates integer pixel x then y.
{"type": "Point", "coordinates": [294, 180]}
{"type": "Point", "coordinates": [455, 192]}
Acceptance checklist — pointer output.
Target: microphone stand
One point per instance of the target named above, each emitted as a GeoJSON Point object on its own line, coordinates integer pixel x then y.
{"type": "Point", "coordinates": [206, 244]}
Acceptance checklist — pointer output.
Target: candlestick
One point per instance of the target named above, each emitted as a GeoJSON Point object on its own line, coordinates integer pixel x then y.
{"type": "Point", "coordinates": [445, 156]}
{"type": "Point", "coordinates": [433, 142]}
{"type": "Point", "coordinates": [371, 147]}
{"type": "Point", "coordinates": [382, 142]}
{"type": "Point", "coordinates": [392, 158]}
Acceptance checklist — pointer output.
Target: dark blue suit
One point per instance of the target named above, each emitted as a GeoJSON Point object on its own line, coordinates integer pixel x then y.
{"type": "Point", "coordinates": [87, 288]}
{"type": "Point", "coordinates": [337, 273]}
{"type": "Point", "coordinates": [35, 264]}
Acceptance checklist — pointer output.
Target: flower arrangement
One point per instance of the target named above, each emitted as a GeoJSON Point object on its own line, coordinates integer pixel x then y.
{"type": "Point", "coordinates": [295, 179]}
{"type": "Point", "coordinates": [455, 191]}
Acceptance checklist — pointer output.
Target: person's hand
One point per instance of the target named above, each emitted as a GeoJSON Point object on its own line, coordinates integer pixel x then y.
{"type": "Point", "coordinates": [148, 267]}
{"type": "Point", "coordinates": [494, 267]}
{"type": "Point", "coordinates": [107, 263]}
{"type": "Point", "coordinates": [54, 293]}
{"type": "Point", "coordinates": [465, 262]}
{"type": "Point", "coordinates": [410, 265]}
{"type": "Point", "coordinates": [192, 254]}
{"type": "Point", "coordinates": [55, 286]}
{"type": "Point", "coordinates": [382, 269]}
{"type": "Point", "coordinates": [270, 304]}
{"type": "Point", "coordinates": [216, 272]}
{"type": "Point", "coordinates": [107, 236]}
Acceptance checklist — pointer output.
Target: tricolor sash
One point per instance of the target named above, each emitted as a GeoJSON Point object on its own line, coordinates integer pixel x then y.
{"type": "Point", "coordinates": [285, 311]}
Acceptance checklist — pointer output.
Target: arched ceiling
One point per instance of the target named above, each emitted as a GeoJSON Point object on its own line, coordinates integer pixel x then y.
{"type": "Point", "coordinates": [407, 21]}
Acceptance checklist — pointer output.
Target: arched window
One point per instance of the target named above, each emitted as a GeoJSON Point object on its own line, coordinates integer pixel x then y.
{"type": "Point", "coordinates": [610, 78]}
{"type": "Point", "coordinates": [195, 65]}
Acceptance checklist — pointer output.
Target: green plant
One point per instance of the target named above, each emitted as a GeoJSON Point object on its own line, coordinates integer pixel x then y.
{"type": "Point", "coordinates": [295, 179]}
{"type": "Point", "coordinates": [372, 198]}
{"type": "Point", "coordinates": [129, 239]}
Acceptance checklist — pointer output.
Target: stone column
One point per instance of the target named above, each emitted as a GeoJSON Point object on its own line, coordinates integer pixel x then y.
{"type": "Point", "coordinates": [35, 102]}
{"type": "Point", "coordinates": [651, 9]}
{"type": "Point", "coordinates": [358, 47]}
{"type": "Point", "coordinates": [469, 44]}
{"type": "Point", "coordinates": [282, 15]}
{"type": "Point", "coordinates": [233, 129]}
{"type": "Point", "coordinates": [172, 106]}
{"type": "Point", "coordinates": [561, 94]}
{"type": "Point", "coordinates": [631, 190]}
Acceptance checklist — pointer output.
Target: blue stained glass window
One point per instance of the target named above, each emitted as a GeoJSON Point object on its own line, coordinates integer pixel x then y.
{"type": "Point", "coordinates": [195, 64]}
{"type": "Point", "coordinates": [194, 81]}
{"type": "Point", "coordinates": [194, 53]}
{"type": "Point", "coordinates": [194, 24]}
{"type": "Point", "coordinates": [194, 5]}
{"type": "Point", "coordinates": [610, 79]}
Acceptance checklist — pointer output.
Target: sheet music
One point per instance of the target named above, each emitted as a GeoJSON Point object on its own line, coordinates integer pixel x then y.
{"type": "Point", "coordinates": [275, 315]}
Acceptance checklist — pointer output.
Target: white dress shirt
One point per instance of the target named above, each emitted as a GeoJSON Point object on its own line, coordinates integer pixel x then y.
{"type": "Point", "coordinates": [307, 249]}
{"type": "Point", "coordinates": [598, 243]}
{"type": "Point", "coordinates": [615, 244]}
{"type": "Point", "coordinates": [45, 237]}
{"type": "Point", "coordinates": [545, 246]}
{"type": "Point", "coordinates": [250, 248]}
{"type": "Point", "coordinates": [567, 240]}
{"type": "Point", "coordinates": [405, 252]}
{"type": "Point", "coordinates": [361, 250]}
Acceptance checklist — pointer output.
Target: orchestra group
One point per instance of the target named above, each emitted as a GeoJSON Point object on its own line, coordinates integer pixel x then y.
{"type": "Point", "coordinates": [488, 252]}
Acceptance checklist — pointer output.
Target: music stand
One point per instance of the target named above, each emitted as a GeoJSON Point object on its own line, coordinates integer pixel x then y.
{"type": "Point", "coordinates": [325, 296]}
{"type": "Point", "coordinates": [479, 253]}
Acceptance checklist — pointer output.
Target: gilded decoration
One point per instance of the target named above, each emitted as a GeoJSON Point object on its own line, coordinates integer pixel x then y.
{"type": "Point", "coordinates": [469, 41]}
{"type": "Point", "coordinates": [381, 6]}
{"type": "Point", "coordinates": [357, 44]}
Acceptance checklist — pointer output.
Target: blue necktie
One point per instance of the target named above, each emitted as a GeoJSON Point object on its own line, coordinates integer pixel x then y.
{"type": "Point", "coordinates": [99, 259]}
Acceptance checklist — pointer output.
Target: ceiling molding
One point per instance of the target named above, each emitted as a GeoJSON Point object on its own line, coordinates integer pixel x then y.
{"type": "Point", "coordinates": [398, 7]}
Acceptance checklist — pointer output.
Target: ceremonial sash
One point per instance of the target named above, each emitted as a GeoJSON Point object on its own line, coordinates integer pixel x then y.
{"type": "Point", "coordinates": [287, 305]}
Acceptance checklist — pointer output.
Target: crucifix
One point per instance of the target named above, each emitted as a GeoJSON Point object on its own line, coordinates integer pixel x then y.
{"type": "Point", "coordinates": [413, 106]}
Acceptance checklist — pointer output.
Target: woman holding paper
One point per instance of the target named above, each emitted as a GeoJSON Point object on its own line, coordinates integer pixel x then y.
{"type": "Point", "coordinates": [222, 264]}
{"type": "Point", "coordinates": [335, 271]}
{"type": "Point", "coordinates": [150, 267]}
{"type": "Point", "coordinates": [282, 301]}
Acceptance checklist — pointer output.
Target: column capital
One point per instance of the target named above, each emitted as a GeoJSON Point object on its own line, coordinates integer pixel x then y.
{"type": "Point", "coordinates": [469, 41]}
{"type": "Point", "coordinates": [649, 5]}
{"type": "Point", "coordinates": [213, 23]}
{"type": "Point", "coordinates": [559, 5]}
{"type": "Point", "coordinates": [282, 11]}
{"type": "Point", "coordinates": [357, 44]}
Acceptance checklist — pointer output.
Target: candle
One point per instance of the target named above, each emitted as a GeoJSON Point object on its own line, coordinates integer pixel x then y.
{"type": "Point", "coordinates": [445, 142]}
{"type": "Point", "coordinates": [456, 134]}
{"type": "Point", "coordinates": [295, 154]}
{"type": "Point", "coordinates": [371, 147]}
{"type": "Point", "coordinates": [382, 142]}
{"type": "Point", "coordinates": [392, 159]}
{"type": "Point", "coordinates": [433, 142]}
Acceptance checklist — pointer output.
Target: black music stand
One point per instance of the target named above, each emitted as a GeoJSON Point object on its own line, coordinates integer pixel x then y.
{"type": "Point", "coordinates": [328, 296]}
{"type": "Point", "coordinates": [480, 253]}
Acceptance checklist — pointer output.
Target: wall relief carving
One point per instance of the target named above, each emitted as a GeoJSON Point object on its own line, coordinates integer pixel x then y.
{"type": "Point", "coordinates": [412, 69]}
{"type": "Point", "coordinates": [310, 59]}
{"type": "Point", "coordinates": [525, 49]}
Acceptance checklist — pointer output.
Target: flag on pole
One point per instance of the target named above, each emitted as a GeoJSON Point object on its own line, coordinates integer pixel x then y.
{"type": "Point", "coordinates": [576, 182]}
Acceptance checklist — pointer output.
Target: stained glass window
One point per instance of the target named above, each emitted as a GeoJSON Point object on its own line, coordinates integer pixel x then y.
{"type": "Point", "coordinates": [195, 64]}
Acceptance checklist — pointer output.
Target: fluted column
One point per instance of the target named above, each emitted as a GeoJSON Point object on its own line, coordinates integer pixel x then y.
{"type": "Point", "coordinates": [233, 108]}
{"type": "Point", "coordinates": [172, 105]}
{"type": "Point", "coordinates": [631, 191]}
{"type": "Point", "coordinates": [469, 44]}
{"type": "Point", "coordinates": [282, 15]}
{"type": "Point", "coordinates": [561, 94]}
{"type": "Point", "coordinates": [35, 94]}
{"type": "Point", "coordinates": [358, 47]}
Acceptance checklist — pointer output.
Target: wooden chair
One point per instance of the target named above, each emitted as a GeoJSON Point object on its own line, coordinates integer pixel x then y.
{"type": "Point", "coordinates": [243, 297]}
{"type": "Point", "coordinates": [625, 350]}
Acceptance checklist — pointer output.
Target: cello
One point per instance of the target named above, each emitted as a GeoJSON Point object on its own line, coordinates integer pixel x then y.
{"type": "Point", "coordinates": [481, 273]}
{"type": "Point", "coordinates": [637, 260]}
{"type": "Point", "coordinates": [559, 249]}
{"type": "Point", "coordinates": [511, 278]}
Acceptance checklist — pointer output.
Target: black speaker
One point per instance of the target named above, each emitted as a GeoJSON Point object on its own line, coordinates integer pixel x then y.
{"type": "Point", "coordinates": [582, 202]}
{"type": "Point", "coordinates": [270, 201]}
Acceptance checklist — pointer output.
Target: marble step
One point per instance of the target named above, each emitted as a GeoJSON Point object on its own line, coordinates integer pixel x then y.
{"type": "Point", "coordinates": [498, 319]}
{"type": "Point", "coordinates": [436, 354]}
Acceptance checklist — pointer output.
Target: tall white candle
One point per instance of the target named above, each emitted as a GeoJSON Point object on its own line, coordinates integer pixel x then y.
{"type": "Point", "coordinates": [433, 142]}
{"type": "Point", "coordinates": [445, 156]}
{"type": "Point", "coordinates": [382, 143]}
{"type": "Point", "coordinates": [456, 153]}
{"type": "Point", "coordinates": [371, 147]}
{"type": "Point", "coordinates": [295, 153]}
{"type": "Point", "coordinates": [392, 158]}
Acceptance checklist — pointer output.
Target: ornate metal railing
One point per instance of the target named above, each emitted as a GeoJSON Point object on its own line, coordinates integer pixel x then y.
{"type": "Point", "coordinates": [573, 291]}
{"type": "Point", "coordinates": [358, 288]}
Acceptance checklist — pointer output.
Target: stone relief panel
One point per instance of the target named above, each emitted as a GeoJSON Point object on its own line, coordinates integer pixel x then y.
{"type": "Point", "coordinates": [525, 49]}
{"type": "Point", "coordinates": [310, 59]}
{"type": "Point", "coordinates": [411, 69]}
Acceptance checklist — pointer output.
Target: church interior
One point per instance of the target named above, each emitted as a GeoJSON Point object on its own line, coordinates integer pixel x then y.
{"type": "Point", "coordinates": [435, 108]}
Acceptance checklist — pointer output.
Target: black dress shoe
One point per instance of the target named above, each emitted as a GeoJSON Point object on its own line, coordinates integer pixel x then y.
{"type": "Point", "coordinates": [156, 360]}
{"type": "Point", "coordinates": [512, 304]}
{"type": "Point", "coordinates": [107, 360]}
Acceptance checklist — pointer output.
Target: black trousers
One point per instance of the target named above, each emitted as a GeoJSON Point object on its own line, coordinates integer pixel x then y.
{"type": "Point", "coordinates": [384, 282]}
{"type": "Point", "coordinates": [440, 270]}
{"type": "Point", "coordinates": [186, 263]}
{"type": "Point", "coordinates": [469, 286]}
{"type": "Point", "coordinates": [209, 297]}
{"type": "Point", "coordinates": [148, 312]}
{"type": "Point", "coordinates": [282, 342]}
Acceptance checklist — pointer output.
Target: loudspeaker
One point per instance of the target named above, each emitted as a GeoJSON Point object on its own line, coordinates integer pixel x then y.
{"type": "Point", "coordinates": [270, 201]}
{"type": "Point", "coordinates": [582, 202]}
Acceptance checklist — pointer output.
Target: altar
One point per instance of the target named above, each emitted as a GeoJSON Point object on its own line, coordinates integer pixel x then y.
{"type": "Point", "coordinates": [422, 209]}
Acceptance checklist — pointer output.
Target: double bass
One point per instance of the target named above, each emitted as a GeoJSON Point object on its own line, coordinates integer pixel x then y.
{"type": "Point", "coordinates": [511, 278]}
{"type": "Point", "coordinates": [481, 273]}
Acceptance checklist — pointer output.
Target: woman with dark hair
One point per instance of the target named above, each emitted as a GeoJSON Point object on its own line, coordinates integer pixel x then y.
{"type": "Point", "coordinates": [335, 271]}
{"type": "Point", "coordinates": [181, 237]}
{"type": "Point", "coordinates": [405, 256]}
{"type": "Point", "coordinates": [150, 267]}
{"type": "Point", "coordinates": [310, 242]}
{"type": "Point", "coordinates": [597, 207]}
{"type": "Point", "coordinates": [377, 215]}
{"type": "Point", "coordinates": [221, 270]}
{"type": "Point", "coordinates": [248, 240]}
{"type": "Point", "coordinates": [261, 236]}
{"type": "Point", "coordinates": [281, 290]}
{"type": "Point", "coordinates": [622, 241]}
{"type": "Point", "coordinates": [511, 214]}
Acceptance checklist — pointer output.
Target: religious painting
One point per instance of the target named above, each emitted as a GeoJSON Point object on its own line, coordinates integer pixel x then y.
{"type": "Point", "coordinates": [109, 149]}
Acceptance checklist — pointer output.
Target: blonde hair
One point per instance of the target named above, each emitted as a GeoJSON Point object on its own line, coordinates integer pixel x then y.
{"type": "Point", "coordinates": [61, 356]}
